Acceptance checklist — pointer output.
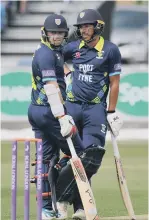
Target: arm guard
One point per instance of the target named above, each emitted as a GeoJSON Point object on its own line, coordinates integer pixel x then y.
{"type": "Point", "coordinates": [54, 100]}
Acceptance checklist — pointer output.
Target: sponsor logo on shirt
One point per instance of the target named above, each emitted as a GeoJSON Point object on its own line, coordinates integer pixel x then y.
{"type": "Point", "coordinates": [100, 54]}
{"type": "Point", "coordinates": [86, 68]}
{"type": "Point", "coordinates": [48, 73]}
{"type": "Point", "coordinates": [77, 55]}
{"type": "Point", "coordinates": [117, 66]}
{"type": "Point", "coordinates": [103, 128]}
{"type": "Point", "coordinates": [85, 74]}
{"type": "Point", "coordinates": [58, 56]}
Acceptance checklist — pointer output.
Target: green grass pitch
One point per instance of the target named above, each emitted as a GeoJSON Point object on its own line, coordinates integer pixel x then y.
{"type": "Point", "coordinates": [134, 157]}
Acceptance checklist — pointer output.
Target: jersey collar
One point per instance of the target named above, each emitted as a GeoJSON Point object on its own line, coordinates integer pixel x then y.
{"type": "Point", "coordinates": [98, 46]}
{"type": "Point", "coordinates": [46, 43]}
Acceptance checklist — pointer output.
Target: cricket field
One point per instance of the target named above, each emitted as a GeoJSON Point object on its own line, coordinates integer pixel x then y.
{"type": "Point", "coordinates": [105, 186]}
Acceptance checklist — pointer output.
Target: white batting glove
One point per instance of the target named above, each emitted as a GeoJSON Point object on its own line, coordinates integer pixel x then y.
{"type": "Point", "coordinates": [115, 123]}
{"type": "Point", "coordinates": [67, 124]}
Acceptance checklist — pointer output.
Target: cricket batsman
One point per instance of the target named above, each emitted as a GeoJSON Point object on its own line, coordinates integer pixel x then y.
{"type": "Point", "coordinates": [46, 113]}
{"type": "Point", "coordinates": [96, 69]}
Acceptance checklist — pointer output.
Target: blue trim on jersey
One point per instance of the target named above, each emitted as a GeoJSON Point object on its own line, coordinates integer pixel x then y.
{"type": "Point", "coordinates": [49, 79]}
{"type": "Point", "coordinates": [115, 73]}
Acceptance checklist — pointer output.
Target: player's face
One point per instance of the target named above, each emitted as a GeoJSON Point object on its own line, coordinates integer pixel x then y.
{"type": "Point", "coordinates": [56, 38]}
{"type": "Point", "coordinates": [87, 31]}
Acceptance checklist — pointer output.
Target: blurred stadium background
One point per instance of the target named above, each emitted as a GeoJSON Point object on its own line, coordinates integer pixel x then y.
{"type": "Point", "coordinates": [126, 26]}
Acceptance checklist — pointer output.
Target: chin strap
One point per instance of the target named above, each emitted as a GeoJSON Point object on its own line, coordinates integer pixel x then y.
{"type": "Point", "coordinates": [92, 39]}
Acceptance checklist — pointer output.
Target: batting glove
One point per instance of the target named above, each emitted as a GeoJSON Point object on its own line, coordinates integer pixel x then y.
{"type": "Point", "coordinates": [68, 127]}
{"type": "Point", "coordinates": [115, 122]}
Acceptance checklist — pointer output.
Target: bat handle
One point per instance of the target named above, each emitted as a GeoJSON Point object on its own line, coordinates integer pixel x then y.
{"type": "Point", "coordinates": [71, 147]}
{"type": "Point", "coordinates": [115, 146]}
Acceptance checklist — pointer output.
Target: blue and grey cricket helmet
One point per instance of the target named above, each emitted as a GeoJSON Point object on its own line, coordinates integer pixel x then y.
{"type": "Point", "coordinates": [90, 16]}
{"type": "Point", "coordinates": [55, 22]}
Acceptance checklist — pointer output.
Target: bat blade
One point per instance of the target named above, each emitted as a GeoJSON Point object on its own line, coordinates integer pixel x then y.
{"type": "Point", "coordinates": [122, 180]}
{"type": "Point", "coordinates": [85, 190]}
{"type": "Point", "coordinates": [123, 188]}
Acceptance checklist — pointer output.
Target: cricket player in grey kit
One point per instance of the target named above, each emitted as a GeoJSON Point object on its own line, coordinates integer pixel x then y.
{"type": "Point", "coordinates": [46, 112]}
{"type": "Point", "coordinates": [97, 67]}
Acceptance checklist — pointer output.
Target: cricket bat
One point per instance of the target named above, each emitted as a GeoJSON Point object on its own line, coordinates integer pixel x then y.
{"type": "Point", "coordinates": [122, 179]}
{"type": "Point", "coordinates": [84, 188]}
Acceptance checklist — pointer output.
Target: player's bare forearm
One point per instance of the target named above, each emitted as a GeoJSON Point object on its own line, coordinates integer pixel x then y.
{"type": "Point", "coordinates": [114, 91]}
{"type": "Point", "coordinates": [57, 86]}
{"type": "Point", "coordinates": [66, 69]}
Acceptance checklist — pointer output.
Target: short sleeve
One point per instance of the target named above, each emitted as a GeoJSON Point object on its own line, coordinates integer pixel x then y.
{"type": "Point", "coordinates": [67, 52]}
{"type": "Point", "coordinates": [114, 61]}
{"type": "Point", "coordinates": [47, 65]}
